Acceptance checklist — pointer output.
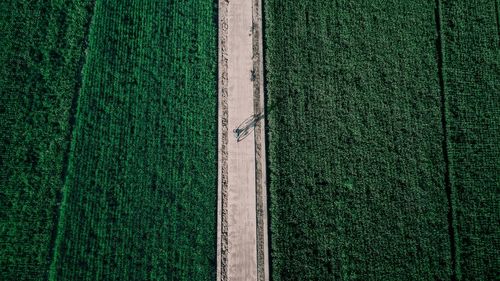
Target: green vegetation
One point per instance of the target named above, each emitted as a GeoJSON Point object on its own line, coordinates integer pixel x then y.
{"type": "Point", "coordinates": [140, 197]}
{"type": "Point", "coordinates": [41, 58]}
{"type": "Point", "coordinates": [472, 90]}
{"type": "Point", "coordinates": [383, 126]}
{"type": "Point", "coordinates": [108, 143]}
{"type": "Point", "coordinates": [357, 170]}
{"type": "Point", "coordinates": [383, 135]}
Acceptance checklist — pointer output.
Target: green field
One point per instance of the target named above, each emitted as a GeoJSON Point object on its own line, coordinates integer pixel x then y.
{"type": "Point", "coordinates": [369, 148]}
{"type": "Point", "coordinates": [140, 197]}
{"type": "Point", "coordinates": [135, 196]}
{"type": "Point", "coordinates": [472, 88]}
{"type": "Point", "coordinates": [383, 127]}
{"type": "Point", "coordinates": [41, 59]}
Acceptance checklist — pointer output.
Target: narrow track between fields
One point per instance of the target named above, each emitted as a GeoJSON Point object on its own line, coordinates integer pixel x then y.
{"type": "Point", "coordinates": [242, 240]}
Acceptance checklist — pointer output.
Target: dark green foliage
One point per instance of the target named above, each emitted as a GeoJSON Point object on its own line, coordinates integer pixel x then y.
{"type": "Point", "coordinates": [41, 57]}
{"type": "Point", "coordinates": [472, 90]}
{"type": "Point", "coordinates": [139, 195]}
{"type": "Point", "coordinates": [140, 198]}
{"type": "Point", "coordinates": [357, 172]}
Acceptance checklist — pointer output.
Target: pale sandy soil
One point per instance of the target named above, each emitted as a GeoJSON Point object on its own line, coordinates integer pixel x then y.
{"type": "Point", "coordinates": [242, 211]}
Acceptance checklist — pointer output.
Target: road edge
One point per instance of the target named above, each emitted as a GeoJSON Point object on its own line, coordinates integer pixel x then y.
{"type": "Point", "coordinates": [222, 179]}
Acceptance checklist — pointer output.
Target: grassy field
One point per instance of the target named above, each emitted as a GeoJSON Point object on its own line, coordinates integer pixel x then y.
{"type": "Point", "coordinates": [383, 134]}
{"type": "Point", "coordinates": [140, 198]}
{"type": "Point", "coordinates": [41, 58]}
{"type": "Point", "coordinates": [357, 169]}
{"type": "Point", "coordinates": [472, 87]}
{"type": "Point", "coordinates": [108, 142]}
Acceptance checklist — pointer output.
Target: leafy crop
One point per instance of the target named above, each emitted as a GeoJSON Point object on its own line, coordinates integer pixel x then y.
{"type": "Point", "coordinates": [471, 47]}
{"type": "Point", "coordinates": [140, 198]}
{"type": "Point", "coordinates": [41, 58]}
{"type": "Point", "coordinates": [383, 135]}
{"type": "Point", "coordinates": [108, 140]}
{"type": "Point", "coordinates": [357, 172]}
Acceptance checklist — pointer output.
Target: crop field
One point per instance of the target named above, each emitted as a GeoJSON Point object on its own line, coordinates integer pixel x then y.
{"type": "Point", "coordinates": [140, 198]}
{"type": "Point", "coordinates": [382, 129]}
{"type": "Point", "coordinates": [41, 59]}
{"type": "Point", "coordinates": [382, 116]}
{"type": "Point", "coordinates": [135, 196]}
{"type": "Point", "coordinates": [472, 88]}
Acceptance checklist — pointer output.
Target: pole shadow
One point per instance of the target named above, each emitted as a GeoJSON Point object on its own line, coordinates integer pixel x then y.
{"type": "Point", "coordinates": [247, 126]}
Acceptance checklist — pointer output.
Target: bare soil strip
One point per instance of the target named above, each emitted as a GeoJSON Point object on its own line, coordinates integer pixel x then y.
{"type": "Point", "coordinates": [260, 149]}
{"type": "Point", "coordinates": [242, 252]}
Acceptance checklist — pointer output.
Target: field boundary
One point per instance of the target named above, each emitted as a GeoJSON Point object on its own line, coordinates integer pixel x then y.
{"type": "Point", "coordinates": [497, 17]}
{"type": "Point", "coordinates": [62, 196]}
{"type": "Point", "coordinates": [222, 184]}
{"type": "Point", "coordinates": [450, 191]}
{"type": "Point", "coordinates": [260, 149]}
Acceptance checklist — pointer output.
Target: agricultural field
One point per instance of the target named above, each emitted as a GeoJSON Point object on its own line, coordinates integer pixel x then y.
{"type": "Point", "coordinates": [383, 139]}
{"type": "Point", "coordinates": [382, 136]}
{"type": "Point", "coordinates": [472, 88]}
{"type": "Point", "coordinates": [111, 152]}
{"type": "Point", "coordinates": [41, 59]}
{"type": "Point", "coordinates": [140, 198]}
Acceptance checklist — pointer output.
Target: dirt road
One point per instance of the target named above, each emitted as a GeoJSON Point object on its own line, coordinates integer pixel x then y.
{"type": "Point", "coordinates": [242, 211]}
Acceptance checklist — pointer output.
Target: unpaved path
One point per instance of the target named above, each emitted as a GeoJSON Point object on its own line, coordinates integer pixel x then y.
{"type": "Point", "coordinates": [242, 210]}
